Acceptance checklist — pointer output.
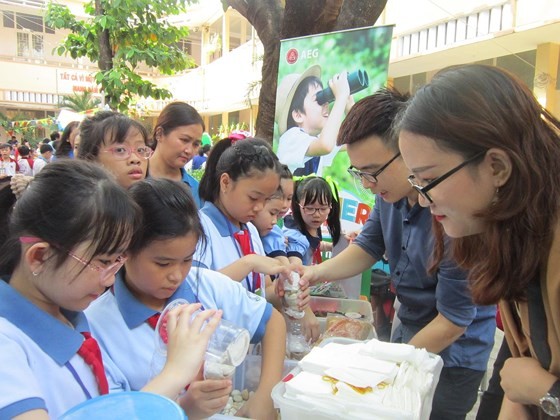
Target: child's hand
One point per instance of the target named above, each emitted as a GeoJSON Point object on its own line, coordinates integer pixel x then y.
{"type": "Point", "coordinates": [259, 406]}
{"type": "Point", "coordinates": [266, 265]}
{"type": "Point", "coordinates": [340, 87]}
{"type": "Point", "coordinates": [304, 295]}
{"type": "Point", "coordinates": [349, 104]}
{"type": "Point", "coordinates": [205, 397]}
{"type": "Point", "coordinates": [310, 326]}
{"type": "Point", "coordinates": [188, 340]}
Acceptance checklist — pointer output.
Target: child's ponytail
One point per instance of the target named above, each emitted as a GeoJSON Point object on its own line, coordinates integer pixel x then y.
{"type": "Point", "coordinates": [333, 220]}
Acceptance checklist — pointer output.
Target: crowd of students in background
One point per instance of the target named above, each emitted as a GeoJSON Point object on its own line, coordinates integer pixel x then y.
{"type": "Point", "coordinates": [151, 232]}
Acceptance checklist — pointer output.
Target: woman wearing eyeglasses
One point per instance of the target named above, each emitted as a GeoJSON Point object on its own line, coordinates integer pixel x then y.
{"type": "Point", "coordinates": [484, 158]}
{"type": "Point", "coordinates": [116, 142]}
{"type": "Point", "coordinates": [436, 309]}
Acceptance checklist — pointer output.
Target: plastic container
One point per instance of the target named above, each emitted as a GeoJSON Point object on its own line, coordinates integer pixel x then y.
{"type": "Point", "coordinates": [295, 410]}
{"type": "Point", "coordinates": [126, 405]}
{"type": "Point", "coordinates": [350, 307]}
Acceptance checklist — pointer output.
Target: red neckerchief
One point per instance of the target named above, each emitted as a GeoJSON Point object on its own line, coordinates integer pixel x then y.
{"type": "Point", "coordinates": [317, 258]}
{"type": "Point", "coordinates": [90, 352]}
{"type": "Point", "coordinates": [243, 238]}
{"type": "Point", "coordinates": [153, 320]}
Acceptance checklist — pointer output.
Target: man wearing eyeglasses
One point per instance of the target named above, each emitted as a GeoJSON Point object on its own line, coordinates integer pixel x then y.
{"type": "Point", "coordinates": [436, 311]}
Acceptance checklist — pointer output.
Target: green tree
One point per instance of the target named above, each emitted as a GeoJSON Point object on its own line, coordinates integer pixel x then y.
{"type": "Point", "coordinates": [280, 19]}
{"type": "Point", "coordinates": [79, 101]}
{"type": "Point", "coordinates": [119, 35]}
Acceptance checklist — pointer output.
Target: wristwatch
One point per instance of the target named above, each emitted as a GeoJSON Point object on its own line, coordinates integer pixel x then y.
{"type": "Point", "coordinates": [550, 403]}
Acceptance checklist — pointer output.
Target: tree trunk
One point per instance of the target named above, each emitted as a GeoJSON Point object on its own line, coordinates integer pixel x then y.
{"type": "Point", "coordinates": [298, 18]}
{"type": "Point", "coordinates": [105, 50]}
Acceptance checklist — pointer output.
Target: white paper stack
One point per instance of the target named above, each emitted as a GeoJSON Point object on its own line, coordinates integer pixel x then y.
{"type": "Point", "coordinates": [366, 380]}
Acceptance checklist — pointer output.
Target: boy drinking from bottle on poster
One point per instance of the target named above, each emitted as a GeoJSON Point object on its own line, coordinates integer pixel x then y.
{"type": "Point", "coordinates": [307, 129]}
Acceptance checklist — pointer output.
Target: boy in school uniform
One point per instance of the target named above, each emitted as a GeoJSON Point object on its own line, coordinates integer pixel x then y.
{"type": "Point", "coordinates": [8, 165]}
{"type": "Point", "coordinates": [46, 151]}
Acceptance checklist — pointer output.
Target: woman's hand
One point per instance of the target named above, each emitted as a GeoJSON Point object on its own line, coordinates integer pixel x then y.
{"type": "Point", "coordinates": [513, 411]}
{"type": "Point", "coordinates": [524, 381]}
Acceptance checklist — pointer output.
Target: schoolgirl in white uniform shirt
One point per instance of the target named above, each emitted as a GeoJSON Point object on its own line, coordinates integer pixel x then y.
{"type": "Point", "coordinates": [158, 271]}
{"type": "Point", "coordinates": [67, 236]}
{"type": "Point", "coordinates": [240, 176]}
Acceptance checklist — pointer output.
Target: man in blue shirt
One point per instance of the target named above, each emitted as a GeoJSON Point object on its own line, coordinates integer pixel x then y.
{"type": "Point", "coordinates": [436, 311]}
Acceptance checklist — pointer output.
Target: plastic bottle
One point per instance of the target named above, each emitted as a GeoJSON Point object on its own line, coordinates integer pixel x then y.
{"type": "Point", "coordinates": [296, 345]}
{"type": "Point", "coordinates": [290, 299]}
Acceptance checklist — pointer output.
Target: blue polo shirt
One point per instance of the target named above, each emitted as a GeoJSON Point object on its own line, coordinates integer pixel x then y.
{"type": "Point", "coordinates": [190, 181]}
{"type": "Point", "coordinates": [39, 364]}
{"type": "Point", "coordinates": [404, 235]}
{"type": "Point", "coordinates": [193, 183]}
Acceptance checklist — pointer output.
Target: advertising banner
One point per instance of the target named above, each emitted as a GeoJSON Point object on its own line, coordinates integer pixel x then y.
{"type": "Point", "coordinates": [309, 112]}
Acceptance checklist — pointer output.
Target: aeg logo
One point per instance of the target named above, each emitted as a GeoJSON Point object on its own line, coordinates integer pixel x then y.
{"type": "Point", "coordinates": [293, 55]}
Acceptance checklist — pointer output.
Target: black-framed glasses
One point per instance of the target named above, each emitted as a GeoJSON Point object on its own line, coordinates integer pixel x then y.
{"type": "Point", "coordinates": [368, 176]}
{"type": "Point", "coordinates": [310, 211]}
{"type": "Point", "coordinates": [123, 152]}
{"type": "Point", "coordinates": [423, 191]}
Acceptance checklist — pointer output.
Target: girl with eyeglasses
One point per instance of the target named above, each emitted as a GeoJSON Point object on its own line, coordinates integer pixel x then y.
{"type": "Point", "coordinates": [113, 140]}
{"type": "Point", "coordinates": [484, 156]}
{"type": "Point", "coordinates": [68, 235]}
{"type": "Point", "coordinates": [116, 142]}
{"type": "Point", "coordinates": [315, 202]}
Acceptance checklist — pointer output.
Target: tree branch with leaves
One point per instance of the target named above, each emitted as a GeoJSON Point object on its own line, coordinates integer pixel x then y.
{"type": "Point", "coordinates": [119, 35]}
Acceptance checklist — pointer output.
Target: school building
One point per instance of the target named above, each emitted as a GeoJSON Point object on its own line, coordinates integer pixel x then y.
{"type": "Point", "coordinates": [522, 36]}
